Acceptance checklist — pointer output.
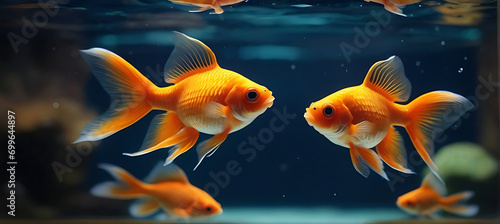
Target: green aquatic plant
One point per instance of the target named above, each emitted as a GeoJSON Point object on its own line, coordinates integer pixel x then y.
{"type": "Point", "coordinates": [465, 160]}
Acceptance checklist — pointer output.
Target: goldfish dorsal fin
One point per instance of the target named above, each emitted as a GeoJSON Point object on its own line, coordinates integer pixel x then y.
{"type": "Point", "coordinates": [190, 57]}
{"type": "Point", "coordinates": [388, 78]}
{"type": "Point", "coordinates": [170, 173]}
{"type": "Point", "coordinates": [431, 181]}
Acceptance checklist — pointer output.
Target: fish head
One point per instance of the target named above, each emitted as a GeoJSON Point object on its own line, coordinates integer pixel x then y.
{"type": "Point", "coordinates": [328, 116]}
{"type": "Point", "coordinates": [248, 100]}
{"type": "Point", "coordinates": [410, 202]}
{"type": "Point", "coordinates": [205, 206]}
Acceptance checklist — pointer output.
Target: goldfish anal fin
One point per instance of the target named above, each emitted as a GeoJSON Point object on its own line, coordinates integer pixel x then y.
{"type": "Point", "coordinates": [369, 158]}
{"type": "Point", "coordinates": [216, 110]}
{"type": "Point", "coordinates": [189, 57]}
{"type": "Point", "coordinates": [208, 147]}
{"type": "Point", "coordinates": [181, 140]}
{"type": "Point", "coordinates": [184, 140]}
{"type": "Point", "coordinates": [162, 127]}
{"type": "Point", "coordinates": [392, 151]}
{"type": "Point", "coordinates": [127, 87]}
{"type": "Point", "coordinates": [432, 182]}
{"type": "Point", "coordinates": [388, 78]}
{"type": "Point", "coordinates": [144, 207]}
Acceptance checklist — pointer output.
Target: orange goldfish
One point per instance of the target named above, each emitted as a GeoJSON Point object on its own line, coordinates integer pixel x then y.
{"type": "Point", "coordinates": [362, 117]}
{"type": "Point", "coordinates": [205, 98]}
{"type": "Point", "coordinates": [208, 4]}
{"type": "Point", "coordinates": [395, 6]}
{"type": "Point", "coordinates": [428, 199]}
{"type": "Point", "coordinates": [167, 188]}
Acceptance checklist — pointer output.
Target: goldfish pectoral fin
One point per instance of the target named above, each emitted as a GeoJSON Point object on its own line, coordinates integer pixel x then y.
{"type": "Point", "coordinates": [162, 173]}
{"type": "Point", "coordinates": [370, 159]}
{"type": "Point", "coordinates": [144, 207]}
{"type": "Point", "coordinates": [388, 78]}
{"type": "Point", "coordinates": [428, 116]}
{"type": "Point", "coordinates": [200, 9]}
{"type": "Point", "coordinates": [216, 110]}
{"type": "Point", "coordinates": [208, 147]}
{"type": "Point", "coordinates": [189, 57]}
{"type": "Point", "coordinates": [162, 127]}
{"type": "Point", "coordinates": [127, 88]}
{"type": "Point", "coordinates": [392, 151]}
{"type": "Point", "coordinates": [360, 130]}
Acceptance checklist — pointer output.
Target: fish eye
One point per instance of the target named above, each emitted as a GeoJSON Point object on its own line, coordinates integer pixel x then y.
{"type": "Point", "coordinates": [328, 111]}
{"type": "Point", "coordinates": [208, 208]}
{"type": "Point", "coordinates": [252, 95]}
{"type": "Point", "coordinates": [409, 203]}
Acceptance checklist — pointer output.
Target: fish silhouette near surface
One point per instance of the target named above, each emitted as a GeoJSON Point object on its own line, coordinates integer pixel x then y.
{"type": "Point", "coordinates": [364, 116]}
{"type": "Point", "coordinates": [204, 98]}
{"type": "Point", "coordinates": [430, 198]}
{"type": "Point", "coordinates": [208, 4]}
{"type": "Point", "coordinates": [166, 187]}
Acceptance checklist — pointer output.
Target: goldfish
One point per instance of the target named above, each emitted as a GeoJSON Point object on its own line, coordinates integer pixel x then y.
{"type": "Point", "coordinates": [395, 6]}
{"type": "Point", "coordinates": [364, 116]}
{"type": "Point", "coordinates": [203, 98]}
{"type": "Point", "coordinates": [208, 4]}
{"type": "Point", "coordinates": [429, 198]}
{"type": "Point", "coordinates": [165, 187]}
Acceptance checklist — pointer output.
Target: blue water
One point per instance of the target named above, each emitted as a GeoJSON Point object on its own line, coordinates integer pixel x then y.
{"type": "Point", "coordinates": [295, 48]}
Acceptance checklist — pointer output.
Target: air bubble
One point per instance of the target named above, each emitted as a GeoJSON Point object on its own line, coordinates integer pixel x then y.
{"type": "Point", "coordinates": [460, 70]}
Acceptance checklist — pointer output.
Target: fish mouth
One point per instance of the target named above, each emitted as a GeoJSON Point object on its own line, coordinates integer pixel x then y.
{"type": "Point", "coordinates": [309, 118]}
{"type": "Point", "coordinates": [269, 102]}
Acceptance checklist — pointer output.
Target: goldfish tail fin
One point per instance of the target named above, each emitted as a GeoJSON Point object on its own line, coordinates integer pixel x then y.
{"type": "Point", "coordinates": [430, 114]}
{"type": "Point", "coordinates": [454, 204]}
{"type": "Point", "coordinates": [392, 151]}
{"type": "Point", "coordinates": [370, 159]}
{"type": "Point", "coordinates": [208, 147]}
{"type": "Point", "coordinates": [127, 186]}
{"type": "Point", "coordinates": [128, 89]}
{"type": "Point", "coordinates": [144, 207]}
